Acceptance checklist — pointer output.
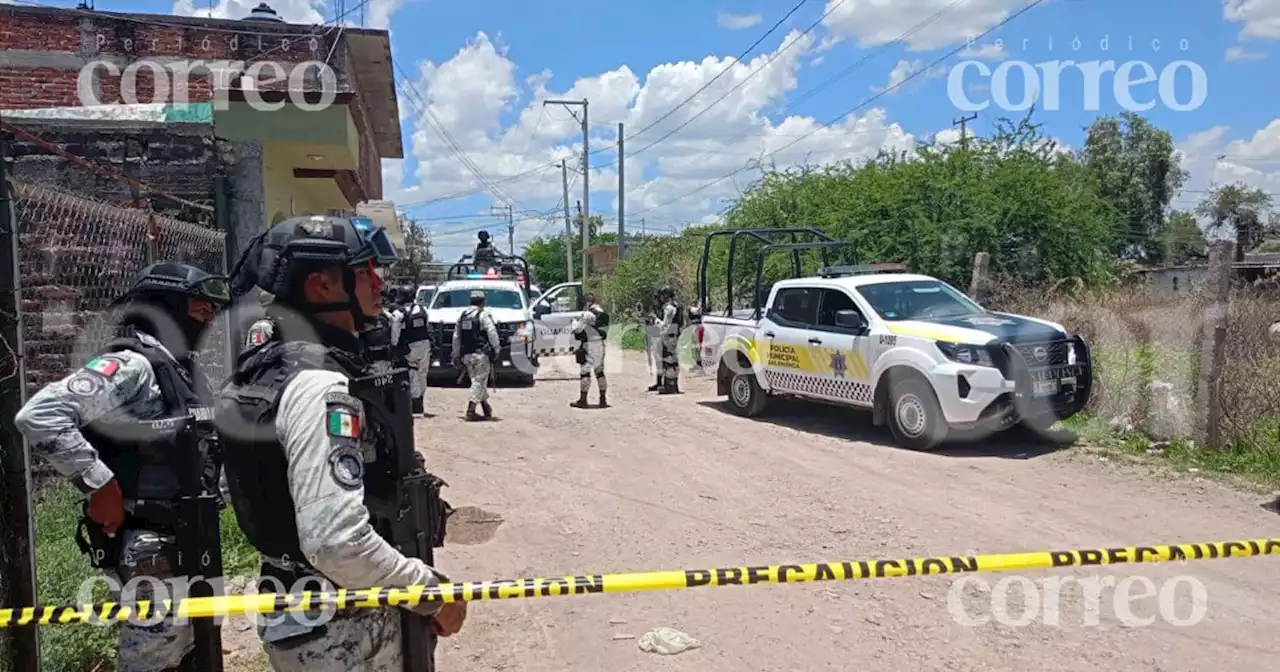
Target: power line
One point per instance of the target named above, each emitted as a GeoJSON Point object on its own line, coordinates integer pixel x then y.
{"type": "Point", "coordinates": [723, 72]}
{"type": "Point", "coordinates": [1033, 4]}
{"type": "Point", "coordinates": [739, 85]}
{"type": "Point", "coordinates": [841, 75]}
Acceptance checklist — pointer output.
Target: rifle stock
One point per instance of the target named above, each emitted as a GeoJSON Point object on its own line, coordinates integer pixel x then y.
{"type": "Point", "coordinates": [413, 515]}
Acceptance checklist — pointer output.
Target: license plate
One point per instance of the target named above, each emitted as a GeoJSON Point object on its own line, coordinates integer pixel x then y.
{"type": "Point", "coordinates": [1046, 388]}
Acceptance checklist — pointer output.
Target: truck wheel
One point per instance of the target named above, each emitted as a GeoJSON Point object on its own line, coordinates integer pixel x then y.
{"type": "Point", "coordinates": [915, 418]}
{"type": "Point", "coordinates": [745, 395]}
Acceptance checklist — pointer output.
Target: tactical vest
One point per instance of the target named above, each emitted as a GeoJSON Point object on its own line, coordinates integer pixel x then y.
{"type": "Point", "coordinates": [415, 327]}
{"type": "Point", "coordinates": [680, 316]}
{"type": "Point", "coordinates": [474, 339]}
{"type": "Point", "coordinates": [256, 465]}
{"type": "Point", "coordinates": [601, 326]}
{"type": "Point", "coordinates": [144, 458]}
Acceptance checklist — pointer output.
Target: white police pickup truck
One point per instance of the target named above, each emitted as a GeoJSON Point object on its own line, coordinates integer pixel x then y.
{"type": "Point", "coordinates": [508, 302]}
{"type": "Point", "coordinates": [918, 353]}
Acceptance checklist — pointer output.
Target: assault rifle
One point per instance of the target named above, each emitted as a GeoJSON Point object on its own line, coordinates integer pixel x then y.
{"type": "Point", "coordinates": [198, 465]}
{"type": "Point", "coordinates": [405, 506]}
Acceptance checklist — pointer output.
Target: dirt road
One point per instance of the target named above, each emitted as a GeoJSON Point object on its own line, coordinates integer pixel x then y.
{"type": "Point", "coordinates": [678, 482]}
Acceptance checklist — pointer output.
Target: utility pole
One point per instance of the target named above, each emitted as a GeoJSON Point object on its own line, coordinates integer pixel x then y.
{"type": "Point", "coordinates": [643, 232]}
{"type": "Point", "coordinates": [511, 225]}
{"type": "Point", "coordinates": [568, 228]}
{"type": "Point", "coordinates": [622, 200]}
{"type": "Point", "coordinates": [586, 174]}
{"type": "Point", "coordinates": [963, 123]}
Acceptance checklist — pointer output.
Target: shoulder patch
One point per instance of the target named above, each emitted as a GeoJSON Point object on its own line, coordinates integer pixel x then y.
{"type": "Point", "coordinates": [84, 385]}
{"type": "Point", "coordinates": [346, 463]}
{"type": "Point", "coordinates": [342, 422]}
{"type": "Point", "coordinates": [105, 366]}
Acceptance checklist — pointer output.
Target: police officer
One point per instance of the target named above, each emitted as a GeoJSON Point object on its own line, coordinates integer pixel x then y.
{"type": "Point", "coordinates": [590, 330]}
{"type": "Point", "coordinates": [87, 426]}
{"type": "Point", "coordinates": [300, 448]}
{"type": "Point", "coordinates": [485, 255]}
{"type": "Point", "coordinates": [475, 345]}
{"type": "Point", "coordinates": [653, 342]}
{"type": "Point", "coordinates": [414, 342]}
{"type": "Point", "coordinates": [669, 326]}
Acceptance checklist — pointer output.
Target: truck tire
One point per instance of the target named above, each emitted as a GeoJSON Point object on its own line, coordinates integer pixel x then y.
{"type": "Point", "coordinates": [745, 395]}
{"type": "Point", "coordinates": [915, 418]}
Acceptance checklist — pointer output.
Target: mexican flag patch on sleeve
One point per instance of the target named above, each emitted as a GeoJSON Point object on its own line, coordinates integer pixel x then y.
{"type": "Point", "coordinates": [104, 367]}
{"type": "Point", "coordinates": [344, 423]}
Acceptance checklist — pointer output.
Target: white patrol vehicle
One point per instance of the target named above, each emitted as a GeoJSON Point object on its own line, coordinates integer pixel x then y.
{"type": "Point", "coordinates": [507, 300]}
{"type": "Point", "coordinates": [918, 353]}
{"type": "Point", "coordinates": [553, 315]}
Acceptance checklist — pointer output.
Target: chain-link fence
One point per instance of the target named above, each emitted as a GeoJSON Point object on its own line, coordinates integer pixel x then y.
{"type": "Point", "coordinates": [77, 256]}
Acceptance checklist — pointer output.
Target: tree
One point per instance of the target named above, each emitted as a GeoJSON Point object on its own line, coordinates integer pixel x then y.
{"type": "Point", "coordinates": [1182, 239]}
{"type": "Point", "coordinates": [1139, 172]}
{"type": "Point", "coordinates": [415, 254]}
{"type": "Point", "coordinates": [546, 254]}
{"type": "Point", "coordinates": [1239, 210]}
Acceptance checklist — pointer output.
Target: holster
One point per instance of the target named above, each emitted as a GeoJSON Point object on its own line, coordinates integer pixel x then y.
{"type": "Point", "coordinates": [580, 355]}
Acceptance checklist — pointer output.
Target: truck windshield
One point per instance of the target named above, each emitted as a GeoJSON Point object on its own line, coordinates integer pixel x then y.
{"type": "Point", "coordinates": [918, 300]}
{"type": "Point", "coordinates": [493, 298]}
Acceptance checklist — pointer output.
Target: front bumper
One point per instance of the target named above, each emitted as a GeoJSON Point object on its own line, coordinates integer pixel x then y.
{"type": "Point", "coordinates": [1018, 387]}
{"type": "Point", "coordinates": [515, 357]}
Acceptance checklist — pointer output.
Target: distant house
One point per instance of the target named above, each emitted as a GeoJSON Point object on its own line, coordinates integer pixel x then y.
{"type": "Point", "coordinates": [1184, 277]}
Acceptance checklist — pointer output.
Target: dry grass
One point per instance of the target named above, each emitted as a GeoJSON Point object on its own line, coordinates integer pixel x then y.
{"type": "Point", "coordinates": [1142, 338]}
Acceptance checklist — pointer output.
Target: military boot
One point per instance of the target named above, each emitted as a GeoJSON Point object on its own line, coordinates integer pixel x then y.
{"type": "Point", "coordinates": [581, 402]}
{"type": "Point", "coordinates": [486, 409]}
{"type": "Point", "coordinates": [672, 387]}
{"type": "Point", "coordinates": [604, 400]}
{"type": "Point", "coordinates": [657, 384]}
{"type": "Point", "coordinates": [471, 411]}
{"type": "Point", "coordinates": [418, 406]}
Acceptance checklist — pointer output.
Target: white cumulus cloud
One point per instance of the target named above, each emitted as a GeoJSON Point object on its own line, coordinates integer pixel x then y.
{"type": "Point", "coordinates": [737, 21]}
{"type": "Point", "coordinates": [501, 125]}
{"type": "Point", "coordinates": [923, 25]}
{"type": "Point", "coordinates": [1261, 18]}
{"type": "Point", "coordinates": [1239, 53]}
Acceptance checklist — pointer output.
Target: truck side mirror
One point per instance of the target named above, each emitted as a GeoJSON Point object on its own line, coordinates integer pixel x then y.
{"type": "Point", "coordinates": [850, 319]}
{"type": "Point", "coordinates": [540, 309]}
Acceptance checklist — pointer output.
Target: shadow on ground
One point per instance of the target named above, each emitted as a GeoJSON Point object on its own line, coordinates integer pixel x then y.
{"type": "Point", "coordinates": [855, 425]}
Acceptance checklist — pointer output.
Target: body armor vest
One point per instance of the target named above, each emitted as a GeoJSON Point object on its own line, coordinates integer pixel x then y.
{"type": "Point", "coordinates": [680, 316]}
{"type": "Point", "coordinates": [143, 458]}
{"type": "Point", "coordinates": [415, 328]}
{"type": "Point", "coordinates": [472, 333]}
{"type": "Point", "coordinates": [601, 325]}
{"type": "Point", "coordinates": [256, 465]}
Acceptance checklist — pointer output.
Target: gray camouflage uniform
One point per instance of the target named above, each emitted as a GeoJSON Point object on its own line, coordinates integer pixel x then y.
{"type": "Point", "coordinates": [595, 353]}
{"type": "Point", "coordinates": [477, 363]}
{"type": "Point", "coordinates": [418, 355]}
{"type": "Point", "coordinates": [337, 539]}
{"type": "Point", "coordinates": [123, 388]}
{"type": "Point", "coordinates": [669, 336]}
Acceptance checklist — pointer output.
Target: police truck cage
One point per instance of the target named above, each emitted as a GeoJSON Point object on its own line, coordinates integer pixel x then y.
{"type": "Point", "coordinates": [801, 239]}
{"type": "Point", "coordinates": [508, 267]}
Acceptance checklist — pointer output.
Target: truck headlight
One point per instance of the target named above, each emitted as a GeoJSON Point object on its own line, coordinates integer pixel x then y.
{"type": "Point", "coordinates": [965, 354]}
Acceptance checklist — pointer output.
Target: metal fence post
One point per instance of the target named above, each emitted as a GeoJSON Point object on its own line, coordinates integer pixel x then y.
{"type": "Point", "coordinates": [19, 647]}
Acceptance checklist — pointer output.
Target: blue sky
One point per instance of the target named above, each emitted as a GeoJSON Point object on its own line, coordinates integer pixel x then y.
{"type": "Point", "coordinates": [482, 68]}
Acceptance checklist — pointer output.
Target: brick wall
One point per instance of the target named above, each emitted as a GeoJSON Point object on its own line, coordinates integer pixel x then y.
{"type": "Point", "coordinates": [181, 159]}
{"type": "Point", "coordinates": [43, 50]}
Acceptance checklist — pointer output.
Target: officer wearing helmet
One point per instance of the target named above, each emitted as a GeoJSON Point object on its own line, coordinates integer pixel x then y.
{"type": "Point", "coordinates": [91, 428]}
{"type": "Point", "coordinates": [414, 344]}
{"type": "Point", "coordinates": [669, 325]}
{"type": "Point", "coordinates": [475, 345]}
{"type": "Point", "coordinates": [485, 256]}
{"type": "Point", "coordinates": [303, 451]}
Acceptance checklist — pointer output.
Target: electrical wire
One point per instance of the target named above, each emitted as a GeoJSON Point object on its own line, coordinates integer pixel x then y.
{"type": "Point", "coordinates": [1033, 4]}
{"type": "Point", "coordinates": [722, 73]}
{"type": "Point", "coordinates": [739, 85]}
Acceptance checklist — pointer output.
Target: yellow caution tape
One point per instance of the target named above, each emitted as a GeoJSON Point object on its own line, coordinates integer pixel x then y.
{"type": "Point", "coordinates": [372, 598]}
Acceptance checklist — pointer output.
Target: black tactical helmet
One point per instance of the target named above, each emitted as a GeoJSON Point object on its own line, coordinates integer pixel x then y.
{"type": "Point", "coordinates": [298, 246]}
{"type": "Point", "coordinates": [170, 279]}
{"type": "Point", "coordinates": [666, 293]}
{"type": "Point", "coordinates": [484, 235]}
